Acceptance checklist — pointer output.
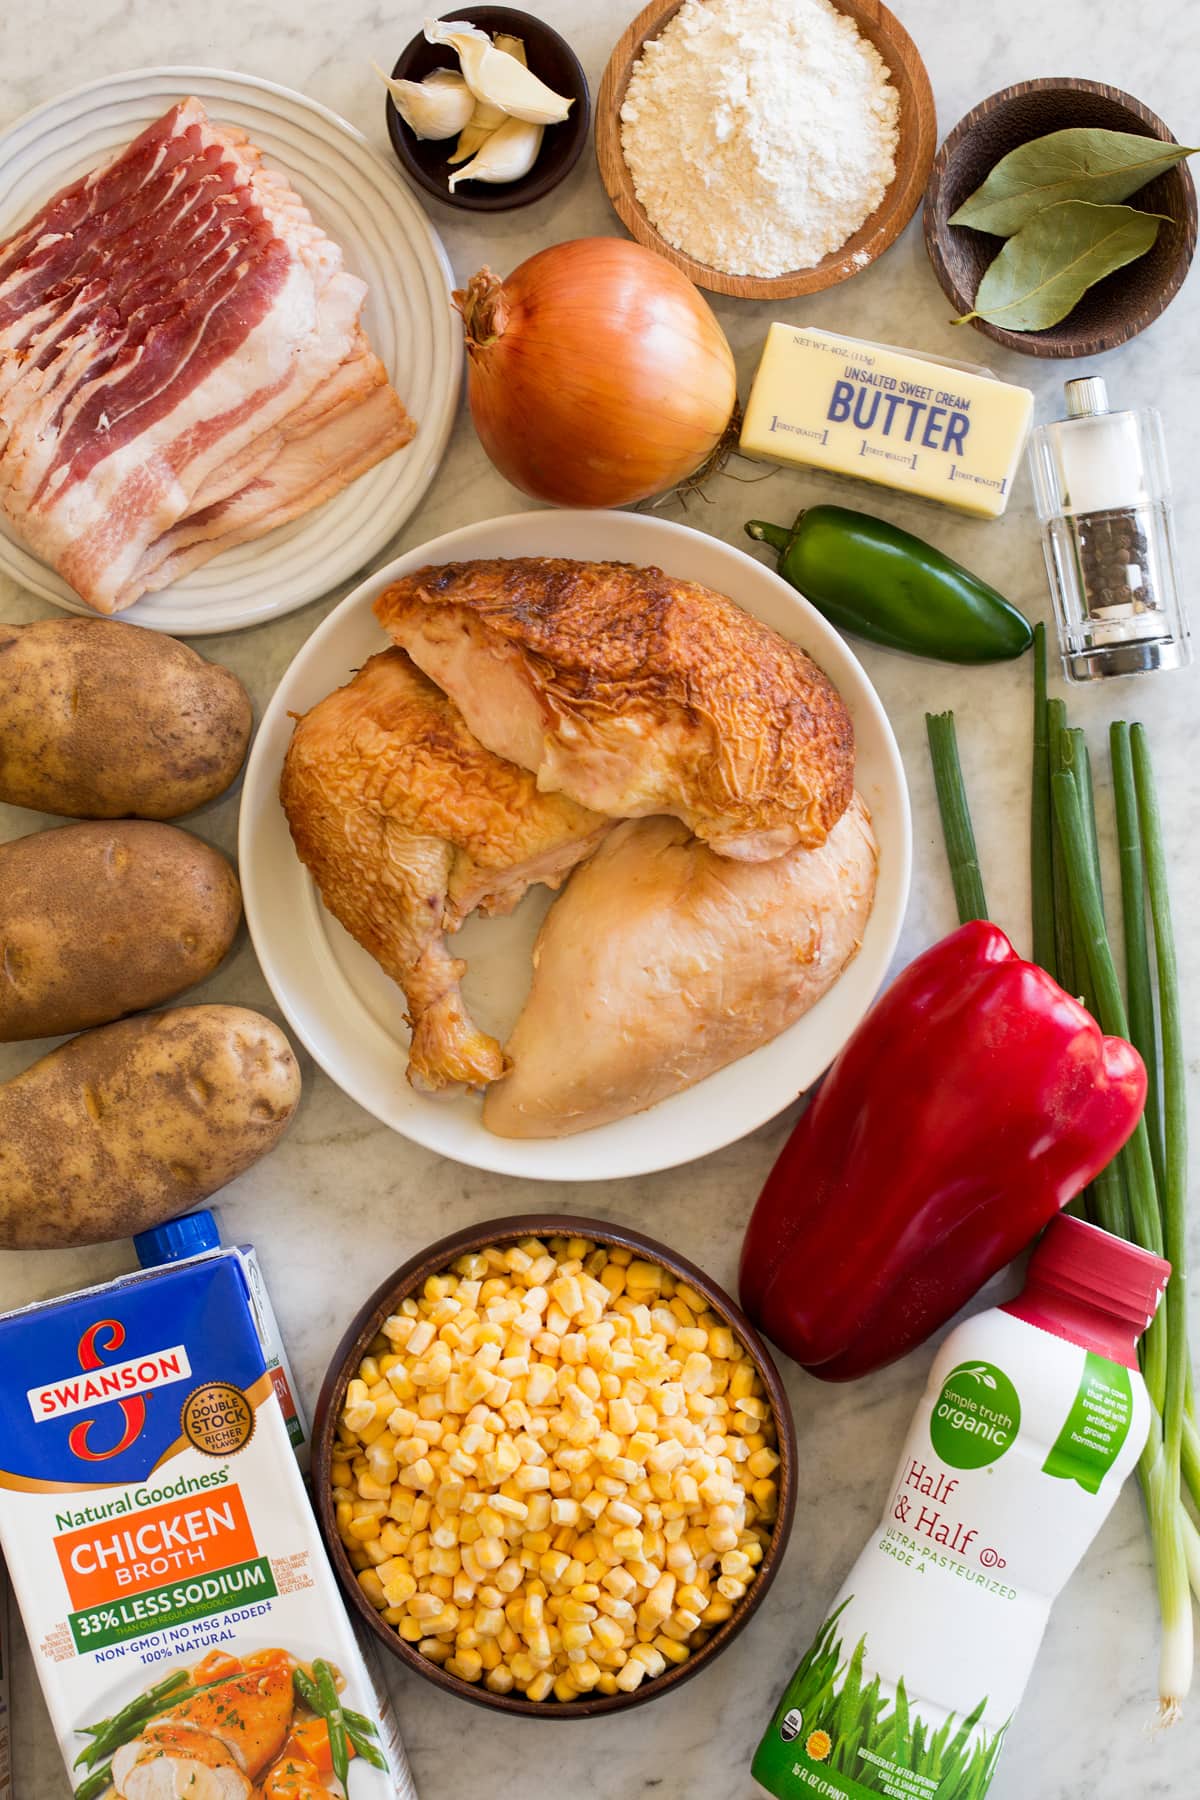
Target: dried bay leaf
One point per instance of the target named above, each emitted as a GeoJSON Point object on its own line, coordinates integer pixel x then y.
{"type": "Point", "coordinates": [1083, 163]}
{"type": "Point", "coordinates": [1046, 268]}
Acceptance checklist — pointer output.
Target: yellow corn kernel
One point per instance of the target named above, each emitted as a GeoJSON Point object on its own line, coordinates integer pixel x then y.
{"type": "Point", "coordinates": [766, 1498]}
{"type": "Point", "coordinates": [400, 1587]}
{"type": "Point", "coordinates": [717, 1612]}
{"type": "Point", "coordinates": [363, 1528]}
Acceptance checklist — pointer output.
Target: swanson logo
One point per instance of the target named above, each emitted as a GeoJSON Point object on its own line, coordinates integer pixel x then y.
{"type": "Point", "coordinates": [98, 1384]}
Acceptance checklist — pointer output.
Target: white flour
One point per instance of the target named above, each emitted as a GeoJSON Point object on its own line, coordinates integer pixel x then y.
{"type": "Point", "coordinates": [760, 134]}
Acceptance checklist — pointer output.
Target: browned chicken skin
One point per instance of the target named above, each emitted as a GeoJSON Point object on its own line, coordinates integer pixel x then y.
{"type": "Point", "coordinates": [635, 693]}
{"type": "Point", "coordinates": [407, 825]}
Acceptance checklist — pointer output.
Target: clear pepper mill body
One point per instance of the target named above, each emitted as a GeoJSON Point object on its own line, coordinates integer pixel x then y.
{"type": "Point", "coordinates": [1103, 497]}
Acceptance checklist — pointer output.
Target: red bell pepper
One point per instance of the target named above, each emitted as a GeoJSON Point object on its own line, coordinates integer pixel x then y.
{"type": "Point", "coordinates": [974, 1100]}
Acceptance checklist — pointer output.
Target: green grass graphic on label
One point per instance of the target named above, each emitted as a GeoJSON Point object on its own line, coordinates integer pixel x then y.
{"type": "Point", "coordinates": [174, 1604]}
{"type": "Point", "coordinates": [1096, 1426]}
{"type": "Point", "coordinates": [837, 1736]}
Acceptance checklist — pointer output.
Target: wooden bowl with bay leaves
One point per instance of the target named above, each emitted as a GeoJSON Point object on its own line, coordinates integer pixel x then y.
{"type": "Point", "coordinates": [914, 157]}
{"type": "Point", "coordinates": [1118, 306]}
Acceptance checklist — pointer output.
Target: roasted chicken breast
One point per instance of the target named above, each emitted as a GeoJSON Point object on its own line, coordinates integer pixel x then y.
{"type": "Point", "coordinates": [635, 693]}
{"type": "Point", "coordinates": [407, 825]}
{"type": "Point", "coordinates": [661, 962]}
{"type": "Point", "coordinates": [250, 1715]}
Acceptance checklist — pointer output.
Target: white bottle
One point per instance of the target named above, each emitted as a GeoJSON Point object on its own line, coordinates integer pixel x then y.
{"type": "Point", "coordinates": [1033, 1416]}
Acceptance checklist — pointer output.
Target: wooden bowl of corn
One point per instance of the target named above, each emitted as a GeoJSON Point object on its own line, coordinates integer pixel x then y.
{"type": "Point", "coordinates": [554, 1466]}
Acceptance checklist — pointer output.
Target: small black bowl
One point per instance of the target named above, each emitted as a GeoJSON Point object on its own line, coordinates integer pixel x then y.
{"type": "Point", "coordinates": [551, 58]}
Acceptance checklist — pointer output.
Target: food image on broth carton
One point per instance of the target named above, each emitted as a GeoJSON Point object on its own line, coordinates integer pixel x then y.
{"type": "Point", "coordinates": [184, 1621]}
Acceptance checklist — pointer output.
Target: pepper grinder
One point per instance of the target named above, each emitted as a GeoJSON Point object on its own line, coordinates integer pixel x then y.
{"type": "Point", "coordinates": [1104, 501]}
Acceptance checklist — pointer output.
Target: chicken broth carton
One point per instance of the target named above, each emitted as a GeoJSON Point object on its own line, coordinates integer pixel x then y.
{"type": "Point", "coordinates": [184, 1620]}
{"type": "Point", "coordinates": [6, 1751]}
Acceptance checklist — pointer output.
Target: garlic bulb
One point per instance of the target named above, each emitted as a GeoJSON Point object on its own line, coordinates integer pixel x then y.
{"type": "Point", "coordinates": [508, 153]}
{"type": "Point", "coordinates": [441, 106]}
{"type": "Point", "coordinates": [494, 75]}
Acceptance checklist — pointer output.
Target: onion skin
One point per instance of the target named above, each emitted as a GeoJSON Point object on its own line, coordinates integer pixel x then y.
{"type": "Point", "coordinates": [597, 374]}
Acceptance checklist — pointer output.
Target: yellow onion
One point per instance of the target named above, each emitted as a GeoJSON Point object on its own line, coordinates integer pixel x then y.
{"type": "Point", "coordinates": [597, 374]}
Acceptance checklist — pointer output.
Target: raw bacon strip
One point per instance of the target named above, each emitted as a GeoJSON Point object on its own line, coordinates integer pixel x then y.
{"type": "Point", "coordinates": [181, 363]}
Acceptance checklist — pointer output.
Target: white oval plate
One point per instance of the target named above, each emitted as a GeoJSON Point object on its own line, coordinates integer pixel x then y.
{"type": "Point", "coordinates": [351, 1017]}
{"type": "Point", "coordinates": [388, 241]}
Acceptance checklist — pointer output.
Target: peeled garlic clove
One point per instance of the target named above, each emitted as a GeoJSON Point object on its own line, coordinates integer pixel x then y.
{"type": "Point", "coordinates": [478, 129]}
{"type": "Point", "coordinates": [471, 141]}
{"type": "Point", "coordinates": [438, 107]}
{"type": "Point", "coordinates": [510, 152]}
{"type": "Point", "coordinates": [496, 76]}
{"type": "Point", "coordinates": [486, 118]}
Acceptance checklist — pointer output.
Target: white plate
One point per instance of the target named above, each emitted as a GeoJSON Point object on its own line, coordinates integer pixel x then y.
{"type": "Point", "coordinates": [368, 210]}
{"type": "Point", "coordinates": [351, 1017]}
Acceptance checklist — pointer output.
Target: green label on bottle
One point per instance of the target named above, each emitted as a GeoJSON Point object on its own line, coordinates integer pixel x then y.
{"type": "Point", "coordinates": [976, 1417]}
{"type": "Point", "coordinates": [1096, 1426]}
{"type": "Point", "coordinates": [838, 1734]}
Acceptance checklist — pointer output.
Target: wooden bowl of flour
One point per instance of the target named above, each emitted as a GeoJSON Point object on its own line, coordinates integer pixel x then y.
{"type": "Point", "coordinates": [914, 158]}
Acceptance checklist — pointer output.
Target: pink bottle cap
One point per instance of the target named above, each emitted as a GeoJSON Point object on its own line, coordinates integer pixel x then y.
{"type": "Point", "coordinates": [1098, 1269]}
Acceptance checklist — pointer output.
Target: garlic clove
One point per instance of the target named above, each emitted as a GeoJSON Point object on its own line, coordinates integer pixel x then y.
{"type": "Point", "coordinates": [438, 107]}
{"type": "Point", "coordinates": [471, 140]}
{"type": "Point", "coordinates": [509, 152]}
{"type": "Point", "coordinates": [497, 76]}
{"type": "Point", "coordinates": [486, 118]}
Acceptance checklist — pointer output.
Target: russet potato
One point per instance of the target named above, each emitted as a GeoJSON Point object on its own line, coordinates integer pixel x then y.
{"type": "Point", "coordinates": [134, 1123]}
{"type": "Point", "coordinates": [100, 920]}
{"type": "Point", "coordinates": [103, 720]}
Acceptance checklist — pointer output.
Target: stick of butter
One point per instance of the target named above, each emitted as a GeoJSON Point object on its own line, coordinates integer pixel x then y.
{"type": "Point", "coordinates": [885, 415]}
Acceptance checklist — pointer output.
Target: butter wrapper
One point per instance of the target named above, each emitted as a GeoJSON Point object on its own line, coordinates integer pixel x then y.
{"type": "Point", "coordinates": [885, 415]}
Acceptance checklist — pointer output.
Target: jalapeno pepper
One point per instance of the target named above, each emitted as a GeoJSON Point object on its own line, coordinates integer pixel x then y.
{"type": "Point", "coordinates": [882, 583]}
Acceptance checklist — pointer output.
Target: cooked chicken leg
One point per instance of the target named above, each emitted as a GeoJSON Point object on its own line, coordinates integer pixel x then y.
{"type": "Point", "coordinates": [408, 825]}
{"type": "Point", "coordinates": [662, 962]}
{"type": "Point", "coordinates": [635, 693]}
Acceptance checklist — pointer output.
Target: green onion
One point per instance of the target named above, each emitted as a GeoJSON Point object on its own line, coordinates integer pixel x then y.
{"type": "Point", "coordinates": [1138, 980]}
{"type": "Point", "coordinates": [1064, 949]}
{"type": "Point", "coordinates": [1164, 1345]}
{"type": "Point", "coordinates": [1041, 827]}
{"type": "Point", "coordinates": [1174, 1184]}
{"type": "Point", "coordinates": [956, 818]}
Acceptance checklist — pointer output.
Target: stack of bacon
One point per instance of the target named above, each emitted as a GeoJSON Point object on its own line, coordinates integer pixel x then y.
{"type": "Point", "coordinates": [181, 364]}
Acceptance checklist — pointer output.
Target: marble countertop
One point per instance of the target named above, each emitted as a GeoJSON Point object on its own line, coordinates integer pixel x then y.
{"type": "Point", "coordinates": [343, 1199]}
